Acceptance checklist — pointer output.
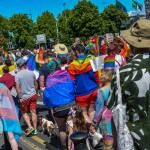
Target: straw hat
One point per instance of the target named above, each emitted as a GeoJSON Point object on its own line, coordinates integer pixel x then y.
{"type": "Point", "coordinates": [61, 49]}
{"type": "Point", "coordinates": [139, 34]}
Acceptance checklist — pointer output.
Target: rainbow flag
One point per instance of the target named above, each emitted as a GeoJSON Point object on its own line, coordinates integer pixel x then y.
{"type": "Point", "coordinates": [98, 41]}
{"type": "Point", "coordinates": [59, 89]}
{"type": "Point", "coordinates": [8, 113]}
{"type": "Point", "coordinates": [6, 56]}
{"type": "Point", "coordinates": [80, 65]}
{"type": "Point", "coordinates": [109, 62]}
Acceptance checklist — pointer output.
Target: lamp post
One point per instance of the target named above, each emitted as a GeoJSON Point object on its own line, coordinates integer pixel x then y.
{"type": "Point", "coordinates": [118, 24]}
{"type": "Point", "coordinates": [67, 31]}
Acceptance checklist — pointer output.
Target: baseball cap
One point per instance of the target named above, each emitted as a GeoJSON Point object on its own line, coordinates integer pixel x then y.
{"type": "Point", "coordinates": [20, 62]}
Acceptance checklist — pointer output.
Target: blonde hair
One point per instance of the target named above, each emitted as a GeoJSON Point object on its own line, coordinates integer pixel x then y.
{"type": "Point", "coordinates": [108, 74]}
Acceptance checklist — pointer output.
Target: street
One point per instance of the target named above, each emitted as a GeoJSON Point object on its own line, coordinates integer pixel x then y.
{"type": "Point", "coordinates": [39, 141]}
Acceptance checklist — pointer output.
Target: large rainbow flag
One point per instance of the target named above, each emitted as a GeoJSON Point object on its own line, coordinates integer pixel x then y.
{"type": "Point", "coordinates": [80, 66]}
{"type": "Point", "coordinates": [8, 113]}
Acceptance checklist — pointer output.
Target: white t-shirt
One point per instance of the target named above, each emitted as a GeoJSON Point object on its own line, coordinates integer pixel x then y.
{"type": "Point", "coordinates": [119, 61]}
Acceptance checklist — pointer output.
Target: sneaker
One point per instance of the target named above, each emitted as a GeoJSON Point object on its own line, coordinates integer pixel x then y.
{"type": "Point", "coordinates": [30, 131]}
{"type": "Point", "coordinates": [35, 132]}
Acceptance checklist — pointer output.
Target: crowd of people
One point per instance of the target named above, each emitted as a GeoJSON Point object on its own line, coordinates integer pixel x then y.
{"type": "Point", "coordinates": [110, 104]}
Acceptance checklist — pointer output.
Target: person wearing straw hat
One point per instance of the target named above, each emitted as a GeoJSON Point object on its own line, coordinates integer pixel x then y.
{"type": "Point", "coordinates": [135, 84]}
{"type": "Point", "coordinates": [61, 49]}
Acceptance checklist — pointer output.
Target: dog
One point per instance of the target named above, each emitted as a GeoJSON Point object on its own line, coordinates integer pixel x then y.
{"type": "Point", "coordinates": [47, 125]}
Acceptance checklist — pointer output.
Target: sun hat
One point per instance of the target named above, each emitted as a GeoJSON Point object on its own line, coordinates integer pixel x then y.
{"type": "Point", "coordinates": [139, 34]}
{"type": "Point", "coordinates": [61, 49]}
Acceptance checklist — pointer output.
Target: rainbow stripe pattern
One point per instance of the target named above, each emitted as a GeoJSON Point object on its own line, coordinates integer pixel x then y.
{"type": "Point", "coordinates": [81, 71]}
{"type": "Point", "coordinates": [8, 113]}
{"type": "Point", "coordinates": [6, 55]}
{"type": "Point", "coordinates": [80, 65]}
{"type": "Point", "coordinates": [109, 62]}
{"type": "Point", "coordinates": [59, 89]}
{"type": "Point", "coordinates": [98, 41]}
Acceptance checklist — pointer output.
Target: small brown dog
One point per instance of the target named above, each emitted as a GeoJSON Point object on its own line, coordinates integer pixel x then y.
{"type": "Point", "coordinates": [48, 125]}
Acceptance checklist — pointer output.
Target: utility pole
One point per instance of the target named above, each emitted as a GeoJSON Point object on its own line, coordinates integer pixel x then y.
{"type": "Point", "coordinates": [57, 30]}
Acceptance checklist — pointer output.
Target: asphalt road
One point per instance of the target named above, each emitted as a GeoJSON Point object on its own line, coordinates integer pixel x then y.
{"type": "Point", "coordinates": [41, 141]}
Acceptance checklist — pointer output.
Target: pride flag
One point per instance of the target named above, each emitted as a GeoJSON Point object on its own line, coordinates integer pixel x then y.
{"type": "Point", "coordinates": [8, 113]}
{"type": "Point", "coordinates": [80, 65]}
{"type": "Point", "coordinates": [40, 56]}
{"type": "Point", "coordinates": [31, 64]}
{"type": "Point", "coordinates": [6, 55]}
{"type": "Point", "coordinates": [98, 41]}
{"type": "Point", "coordinates": [109, 62]}
{"type": "Point", "coordinates": [59, 89]}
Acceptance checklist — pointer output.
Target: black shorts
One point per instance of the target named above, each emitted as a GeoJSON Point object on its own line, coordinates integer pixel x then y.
{"type": "Point", "coordinates": [62, 111]}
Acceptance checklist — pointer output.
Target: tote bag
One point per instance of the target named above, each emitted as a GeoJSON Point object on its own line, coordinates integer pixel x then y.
{"type": "Point", "coordinates": [124, 139]}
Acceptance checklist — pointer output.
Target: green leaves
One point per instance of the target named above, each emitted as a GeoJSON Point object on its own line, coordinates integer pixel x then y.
{"type": "Point", "coordinates": [22, 27]}
{"type": "Point", "coordinates": [46, 24]}
{"type": "Point", "coordinates": [85, 20]}
{"type": "Point", "coordinates": [109, 16]}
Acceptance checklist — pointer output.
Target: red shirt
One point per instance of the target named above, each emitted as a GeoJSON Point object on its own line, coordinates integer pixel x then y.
{"type": "Point", "coordinates": [8, 80]}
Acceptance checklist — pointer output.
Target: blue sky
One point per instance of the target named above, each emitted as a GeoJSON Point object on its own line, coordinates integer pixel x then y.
{"type": "Point", "coordinates": [10, 7]}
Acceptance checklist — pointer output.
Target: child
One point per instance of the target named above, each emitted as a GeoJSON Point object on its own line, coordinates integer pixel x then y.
{"type": "Point", "coordinates": [75, 122]}
{"type": "Point", "coordinates": [95, 136]}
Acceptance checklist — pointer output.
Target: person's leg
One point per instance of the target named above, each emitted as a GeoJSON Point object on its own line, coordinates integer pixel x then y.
{"type": "Point", "coordinates": [61, 122]}
{"type": "Point", "coordinates": [27, 119]}
{"type": "Point", "coordinates": [83, 101]}
{"type": "Point", "coordinates": [70, 130]}
{"type": "Point", "coordinates": [32, 106]}
{"type": "Point", "coordinates": [34, 118]}
{"type": "Point", "coordinates": [92, 100]}
{"type": "Point", "coordinates": [6, 142]}
{"type": "Point", "coordinates": [91, 111]}
{"type": "Point", "coordinates": [12, 141]}
{"type": "Point", "coordinates": [85, 114]}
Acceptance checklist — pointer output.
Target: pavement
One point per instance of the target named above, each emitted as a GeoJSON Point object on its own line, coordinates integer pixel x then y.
{"type": "Point", "coordinates": [41, 141]}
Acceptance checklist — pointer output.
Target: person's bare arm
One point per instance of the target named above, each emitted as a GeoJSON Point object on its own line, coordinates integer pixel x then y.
{"type": "Point", "coordinates": [42, 87]}
{"type": "Point", "coordinates": [19, 92]}
{"type": "Point", "coordinates": [35, 84]}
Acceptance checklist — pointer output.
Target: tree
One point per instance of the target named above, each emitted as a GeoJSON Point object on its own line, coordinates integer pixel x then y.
{"type": "Point", "coordinates": [46, 24]}
{"type": "Point", "coordinates": [109, 17]}
{"type": "Point", "coordinates": [85, 20]}
{"type": "Point", "coordinates": [22, 26]}
{"type": "Point", "coordinates": [4, 27]}
{"type": "Point", "coordinates": [64, 30]}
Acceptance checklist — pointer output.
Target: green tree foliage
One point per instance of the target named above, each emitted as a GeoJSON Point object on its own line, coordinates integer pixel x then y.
{"type": "Point", "coordinates": [46, 24]}
{"type": "Point", "coordinates": [63, 27]}
{"type": "Point", "coordinates": [22, 26]}
{"type": "Point", "coordinates": [85, 20]}
{"type": "Point", "coordinates": [109, 17]}
{"type": "Point", "coordinates": [4, 27]}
